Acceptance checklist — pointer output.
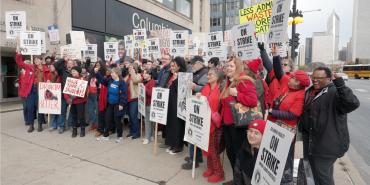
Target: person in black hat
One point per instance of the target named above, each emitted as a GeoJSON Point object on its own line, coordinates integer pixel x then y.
{"type": "Point", "coordinates": [213, 62]}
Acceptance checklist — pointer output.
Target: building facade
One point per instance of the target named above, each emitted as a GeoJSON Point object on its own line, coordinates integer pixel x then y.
{"type": "Point", "coordinates": [100, 19]}
{"type": "Point", "coordinates": [224, 14]}
{"type": "Point", "coordinates": [360, 31]}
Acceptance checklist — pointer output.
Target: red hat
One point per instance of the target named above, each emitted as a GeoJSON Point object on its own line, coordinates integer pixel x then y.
{"type": "Point", "coordinates": [258, 124]}
{"type": "Point", "coordinates": [302, 77]}
{"type": "Point", "coordinates": [253, 65]}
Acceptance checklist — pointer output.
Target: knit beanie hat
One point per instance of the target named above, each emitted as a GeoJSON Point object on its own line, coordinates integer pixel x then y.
{"type": "Point", "coordinates": [253, 65]}
{"type": "Point", "coordinates": [258, 124]}
{"type": "Point", "coordinates": [302, 77]}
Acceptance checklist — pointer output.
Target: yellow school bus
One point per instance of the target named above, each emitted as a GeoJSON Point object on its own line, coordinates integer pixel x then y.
{"type": "Point", "coordinates": [357, 71]}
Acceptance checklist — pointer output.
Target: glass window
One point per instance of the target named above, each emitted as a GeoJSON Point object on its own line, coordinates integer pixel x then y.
{"type": "Point", "coordinates": [184, 7]}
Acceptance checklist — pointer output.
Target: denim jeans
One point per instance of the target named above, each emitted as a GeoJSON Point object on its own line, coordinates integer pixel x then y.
{"type": "Point", "coordinates": [112, 118]}
{"type": "Point", "coordinates": [54, 118]}
{"type": "Point", "coordinates": [148, 124]}
{"type": "Point", "coordinates": [30, 106]}
{"type": "Point", "coordinates": [92, 109]}
{"type": "Point", "coordinates": [62, 116]}
{"type": "Point", "coordinates": [134, 121]}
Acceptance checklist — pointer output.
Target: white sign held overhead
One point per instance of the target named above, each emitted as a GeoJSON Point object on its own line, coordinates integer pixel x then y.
{"type": "Point", "coordinates": [216, 46]}
{"type": "Point", "coordinates": [139, 38]}
{"type": "Point", "coordinates": [279, 21]}
{"type": "Point", "coordinates": [30, 43]}
{"type": "Point", "coordinates": [91, 52]}
{"type": "Point", "coordinates": [179, 43]}
{"type": "Point", "coordinates": [272, 155]}
{"type": "Point", "coordinates": [70, 52]}
{"type": "Point", "coordinates": [198, 122]}
{"type": "Point", "coordinates": [42, 40]}
{"type": "Point", "coordinates": [184, 92]}
{"type": "Point", "coordinates": [141, 99]}
{"type": "Point", "coordinates": [129, 42]}
{"type": "Point", "coordinates": [245, 41]}
{"type": "Point", "coordinates": [153, 48]}
{"type": "Point", "coordinates": [159, 105]}
{"type": "Point", "coordinates": [53, 34]}
{"type": "Point", "coordinates": [111, 51]}
{"type": "Point", "coordinates": [15, 22]}
{"type": "Point", "coordinates": [78, 39]}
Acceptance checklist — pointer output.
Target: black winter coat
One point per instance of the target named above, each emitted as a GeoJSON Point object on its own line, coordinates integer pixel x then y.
{"type": "Point", "coordinates": [244, 164]}
{"type": "Point", "coordinates": [324, 121]}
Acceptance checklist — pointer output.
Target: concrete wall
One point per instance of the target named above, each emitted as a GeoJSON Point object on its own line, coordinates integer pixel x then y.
{"type": "Point", "coordinates": [39, 15]}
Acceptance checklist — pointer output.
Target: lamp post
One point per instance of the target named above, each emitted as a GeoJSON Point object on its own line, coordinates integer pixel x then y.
{"type": "Point", "coordinates": [297, 18]}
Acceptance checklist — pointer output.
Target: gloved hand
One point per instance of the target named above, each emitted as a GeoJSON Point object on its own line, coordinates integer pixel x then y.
{"type": "Point", "coordinates": [261, 46]}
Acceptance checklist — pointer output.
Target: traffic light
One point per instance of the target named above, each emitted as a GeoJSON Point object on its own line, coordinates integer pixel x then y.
{"type": "Point", "coordinates": [294, 42]}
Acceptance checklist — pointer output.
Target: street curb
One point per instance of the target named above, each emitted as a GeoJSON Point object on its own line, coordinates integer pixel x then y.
{"type": "Point", "coordinates": [348, 167]}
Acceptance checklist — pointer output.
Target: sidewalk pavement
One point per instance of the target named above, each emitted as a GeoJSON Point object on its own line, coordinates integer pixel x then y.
{"type": "Point", "coordinates": [52, 158]}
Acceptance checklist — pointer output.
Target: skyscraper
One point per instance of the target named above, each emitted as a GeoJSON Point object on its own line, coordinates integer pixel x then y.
{"type": "Point", "coordinates": [325, 44]}
{"type": "Point", "coordinates": [360, 31]}
{"type": "Point", "coordinates": [308, 53]}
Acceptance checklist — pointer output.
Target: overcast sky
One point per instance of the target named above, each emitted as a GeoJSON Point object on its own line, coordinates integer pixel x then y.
{"type": "Point", "coordinates": [316, 21]}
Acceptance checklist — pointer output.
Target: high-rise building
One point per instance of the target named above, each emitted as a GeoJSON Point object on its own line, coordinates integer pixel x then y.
{"type": "Point", "coordinates": [224, 14]}
{"type": "Point", "coordinates": [301, 55]}
{"type": "Point", "coordinates": [325, 44]}
{"type": "Point", "coordinates": [342, 55]}
{"type": "Point", "coordinates": [360, 31]}
{"type": "Point", "coordinates": [308, 51]}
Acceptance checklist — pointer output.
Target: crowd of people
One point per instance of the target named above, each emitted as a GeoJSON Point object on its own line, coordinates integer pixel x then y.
{"type": "Point", "coordinates": [315, 106]}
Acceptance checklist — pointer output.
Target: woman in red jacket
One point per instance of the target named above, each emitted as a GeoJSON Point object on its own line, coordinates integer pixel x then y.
{"type": "Point", "coordinates": [54, 118]}
{"type": "Point", "coordinates": [211, 91]}
{"type": "Point", "coordinates": [239, 87]}
{"type": "Point", "coordinates": [149, 83]}
{"type": "Point", "coordinates": [288, 107]}
{"type": "Point", "coordinates": [34, 73]}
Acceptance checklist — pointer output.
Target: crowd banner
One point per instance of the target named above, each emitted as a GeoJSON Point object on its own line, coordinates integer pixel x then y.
{"type": "Point", "coordinates": [91, 52]}
{"type": "Point", "coordinates": [215, 46]}
{"type": "Point", "coordinates": [279, 20]}
{"type": "Point", "coordinates": [245, 41]}
{"type": "Point", "coordinates": [198, 122]}
{"type": "Point", "coordinates": [164, 39]}
{"type": "Point", "coordinates": [129, 41]}
{"type": "Point", "coordinates": [111, 51]}
{"type": "Point", "coordinates": [153, 48]}
{"type": "Point", "coordinates": [179, 43]}
{"type": "Point", "coordinates": [159, 105]}
{"type": "Point", "coordinates": [50, 98]}
{"type": "Point", "coordinates": [30, 43]}
{"type": "Point", "coordinates": [70, 52]}
{"type": "Point", "coordinates": [75, 87]}
{"type": "Point", "coordinates": [42, 42]}
{"type": "Point", "coordinates": [259, 14]}
{"type": "Point", "coordinates": [184, 92]}
{"type": "Point", "coordinates": [78, 40]}
{"type": "Point", "coordinates": [53, 34]}
{"type": "Point", "coordinates": [272, 155]}
{"type": "Point", "coordinates": [15, 22]}
{"type": "Point", "coordinates": [141, 105]}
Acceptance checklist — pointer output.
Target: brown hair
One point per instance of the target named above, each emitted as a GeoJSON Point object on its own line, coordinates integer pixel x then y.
{"type": "Point", "coordinates": [239, 69]}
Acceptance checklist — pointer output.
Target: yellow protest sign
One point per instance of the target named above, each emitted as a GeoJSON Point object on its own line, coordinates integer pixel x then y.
{"type": "Point", "coordinates": [259, 13]}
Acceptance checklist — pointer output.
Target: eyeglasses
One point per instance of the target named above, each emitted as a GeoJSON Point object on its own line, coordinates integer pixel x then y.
{"type": "Point", "coordinates": [284, 64]}
{"type": "Point", "coordinates": [318, 78]}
